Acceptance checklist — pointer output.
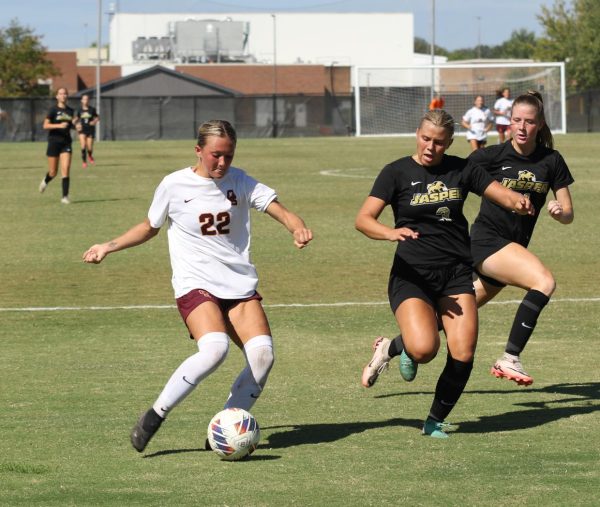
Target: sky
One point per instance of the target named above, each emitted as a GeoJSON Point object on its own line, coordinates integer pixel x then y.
{"type": "Point", "coordinates": [68, 24]}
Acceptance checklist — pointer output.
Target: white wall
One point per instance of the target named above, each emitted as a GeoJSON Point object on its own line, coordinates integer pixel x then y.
{"type": "Point", "coordinates": [348, 39]}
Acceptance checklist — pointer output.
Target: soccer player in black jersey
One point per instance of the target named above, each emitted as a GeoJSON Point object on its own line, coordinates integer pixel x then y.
{"type": "Point", "coordinates": [58, 123]}
{"type": "Point", "coordinates": [86, 128]}
{"type": "Point", "coordinates": [432, 273]}
{"type": "Point", "coordinates": [528, 164]}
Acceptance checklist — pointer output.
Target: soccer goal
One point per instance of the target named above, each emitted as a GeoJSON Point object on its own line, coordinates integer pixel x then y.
{"type": "Point", "coordinates": [392, 100]}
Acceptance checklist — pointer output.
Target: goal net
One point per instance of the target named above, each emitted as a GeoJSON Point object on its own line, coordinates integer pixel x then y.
{"type": "Point", "coordinates": [392, 100]}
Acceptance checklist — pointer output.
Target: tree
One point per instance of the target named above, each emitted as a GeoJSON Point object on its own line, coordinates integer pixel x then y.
{"type": "Point", "coordinates": [424, 47]}
{"type": "Point", "coordinates": [23, 62]}
{"type": "Point", "coordinates": [521, 44]}
{"type": "Point", "coordinates": [573, 35]}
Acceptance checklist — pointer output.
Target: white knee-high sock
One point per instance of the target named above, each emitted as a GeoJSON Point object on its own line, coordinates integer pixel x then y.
{"type": "Point", "coordinates": [212, 350]}
{"type": "Point", "coordinates": [247, 387]}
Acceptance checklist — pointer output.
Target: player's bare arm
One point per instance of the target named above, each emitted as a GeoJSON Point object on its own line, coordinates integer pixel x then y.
{"type": "Point", "coordinates": [367, 223]}
{"type": "Point", "coordinates": [509, 199]}
{"type": "Point", "coordinates": [137, 235]}
{"type": "Point", "coordinates": [561, 208]}
{"type": "Point", "coordinates": [292, 222]}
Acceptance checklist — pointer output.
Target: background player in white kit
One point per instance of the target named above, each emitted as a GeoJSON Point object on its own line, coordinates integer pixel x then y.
{"type": "Point", "coordinates": [502, 110]}
{"type": "Point", "coordinates": [478, 121]}
{"type": "Point", "coordinates": [207, 210]}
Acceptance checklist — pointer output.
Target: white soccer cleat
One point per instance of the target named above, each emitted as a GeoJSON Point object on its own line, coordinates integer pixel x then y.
{"type": "Point", "coordinates": [43, 186]}
{"type": "Point", "coordinates": [379, 362]}
{"type": "Point", "coordinates": [511, 368]}
{"type": "Point", "coordinates": [65, 200]}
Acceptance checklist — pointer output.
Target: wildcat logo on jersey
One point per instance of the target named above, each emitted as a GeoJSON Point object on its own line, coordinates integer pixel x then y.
{"type": "Point", "coordinates": [436, 192]}
{"type": "Point", "coordinates": [63, 117]}
{"type": "Point", "coordinates": [444, 214]}
{"type": "Point", "coordinates": [526, 180]}
{"type": "Point", "coordinates": [231, 197]}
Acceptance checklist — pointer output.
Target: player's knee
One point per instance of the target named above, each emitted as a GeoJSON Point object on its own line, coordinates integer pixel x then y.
{"type": "Point", "coordinates": [546, 283]}
{"type": "Point", "coordinates": [214, 346]}
{"type": "Point", "coordinates": [260, 356]}
{"type": "Point", "coordinates": [423, 352]}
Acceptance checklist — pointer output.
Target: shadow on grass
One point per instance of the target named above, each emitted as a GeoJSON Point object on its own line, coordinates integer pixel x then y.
{"type": "Point", "coordinates": [319, 433]}
{"type": "Point", "coordinates": [166, 452]}
{"type": "Point", "coordinates": [254, 457]}
{"type": "Point", "coordinates": [584, 398]}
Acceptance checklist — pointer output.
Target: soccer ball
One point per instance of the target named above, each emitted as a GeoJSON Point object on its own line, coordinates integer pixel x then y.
{"type": "Point", "coordinates": [233, 434]}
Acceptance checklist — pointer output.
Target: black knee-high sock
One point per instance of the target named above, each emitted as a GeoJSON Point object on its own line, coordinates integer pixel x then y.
{"type": "Point", "coordinates": [65, 186]}
{"type": "Point", "coordinates": [525, 320]}
{"type": "Point", "coordinates": [396, 347]}
{"type": "Point", "coordinates": [83, 155]}
{"type": "Point", "coordinates": [450, 386]}
{"type": "Point", "coordinates": [48, 178]}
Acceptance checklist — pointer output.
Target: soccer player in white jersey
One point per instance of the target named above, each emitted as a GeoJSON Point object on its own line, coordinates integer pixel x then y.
{"type": "Point", "coordinates": [207, 211]}
{"type": "Point", "coordinates": [478, 121]}
{"type": "Point", "coordinates": [502, 110]}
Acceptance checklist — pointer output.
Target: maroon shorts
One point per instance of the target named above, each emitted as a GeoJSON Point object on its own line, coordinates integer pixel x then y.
{"type": "Point", "coordinates": [189, 302]}
{"type": "Point", "coordinates": [502, 128]}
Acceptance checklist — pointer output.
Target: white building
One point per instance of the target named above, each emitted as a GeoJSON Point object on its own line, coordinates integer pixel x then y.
{"type": "Point", "coordinates": [353, 39]}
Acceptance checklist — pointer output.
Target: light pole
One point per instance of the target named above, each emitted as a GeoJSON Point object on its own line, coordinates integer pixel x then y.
{"type": "Point", "coordinates": [432, 49]}
{"type": "Point", "coordinates": [274, 75]}
{"type": "Point", "coordinates": [98, 56]}
{"type": "Point", "coordinates": [478, 37]}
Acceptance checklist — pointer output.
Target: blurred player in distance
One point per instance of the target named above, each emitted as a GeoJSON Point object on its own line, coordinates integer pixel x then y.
{"type": "Point", "coordinates": [502, 108]}
{"type": "Point", "coordinates": [478, 121]}
{"type": "Point", "coordinates": [432, 271]}
{"type": "Point", "coordinates": [207, 211]}
{"type": "Point", "coordinates": [87, 119]}
{"type": "Point", "coordinates": [499, 239]}
{"type": "Point", "coordinates": [58, 123]}
{"type": "Point", "coordinates": [437, 102]}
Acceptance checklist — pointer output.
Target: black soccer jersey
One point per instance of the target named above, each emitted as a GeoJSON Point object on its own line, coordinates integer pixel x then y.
{"type": "Point", "coordinates": [60, 115]}
{"type": "Point", "coordinates": [87, 115]}
{"type": "Point", "coordinates": [534, 175]}
{"type": "Point", "coordinates": [430, 200]}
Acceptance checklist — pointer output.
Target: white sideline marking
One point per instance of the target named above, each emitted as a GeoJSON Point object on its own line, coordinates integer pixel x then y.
{"type": "Point", "coordinates": [282, 305]}
{"type": "Point", "coordinates": [343, 173]}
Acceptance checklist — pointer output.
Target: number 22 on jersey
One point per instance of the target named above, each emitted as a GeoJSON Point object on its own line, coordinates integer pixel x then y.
{"type": "Point", "coordinates": [211, 225]}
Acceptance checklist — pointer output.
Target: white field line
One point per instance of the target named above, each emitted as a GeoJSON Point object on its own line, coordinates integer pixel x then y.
{"type": "Point", "coordinates": [289, 305]}
{"type": "Point", "coordinates": [354, 172]}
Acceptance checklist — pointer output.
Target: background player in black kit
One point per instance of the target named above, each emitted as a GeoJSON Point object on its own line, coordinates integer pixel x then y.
{"type": "Point", "coordinates": [86, 128]}
{"type": "Point", "coordinates": [58, 123]}
{"type": "Point", "coordinates": [499, 239]}
{"type": "Point", "coordinates": [432, 270]}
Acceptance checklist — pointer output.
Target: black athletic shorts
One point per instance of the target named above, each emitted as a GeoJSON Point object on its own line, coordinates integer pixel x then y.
{"type": "Point", "coordinates": [88, 131]}
{"type": "Point", "coordinates": [485, 243]}
{"type": "Point", "coordinates": [428, 283]}
{"type": "Point", "coordinates": [55, 148]}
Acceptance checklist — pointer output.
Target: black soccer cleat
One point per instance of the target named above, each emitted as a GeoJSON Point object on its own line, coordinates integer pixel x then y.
{"type": "Point", "coordinates": [145, 429]}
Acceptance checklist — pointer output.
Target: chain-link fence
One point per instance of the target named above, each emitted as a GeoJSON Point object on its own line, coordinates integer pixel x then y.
{"type": "Point", "coordinates": [131, 118]}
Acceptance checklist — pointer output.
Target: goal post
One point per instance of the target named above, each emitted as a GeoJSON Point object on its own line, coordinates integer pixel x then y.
{"type": "Point", "coordinates": [392, 100]}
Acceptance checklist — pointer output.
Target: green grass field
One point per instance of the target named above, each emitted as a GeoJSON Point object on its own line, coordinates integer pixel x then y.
{"type": "Point", "coordinates": [74, 380]}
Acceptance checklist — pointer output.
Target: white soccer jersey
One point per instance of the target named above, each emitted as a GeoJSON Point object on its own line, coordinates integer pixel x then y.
{"type": "Point", "coordinates": [503, 105]}
{"type": "Point", "coordinates": [479, 119]}
{"type": "Point", "coordinates": [209, 230]}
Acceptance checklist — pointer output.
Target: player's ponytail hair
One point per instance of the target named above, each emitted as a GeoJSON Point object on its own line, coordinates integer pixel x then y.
{"type": "Point", "coordinates": [439, 118]}
{"type": "Point", "coordinates": [534, 99]}
{"type": "Point", "coordinates": [218, 128]}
